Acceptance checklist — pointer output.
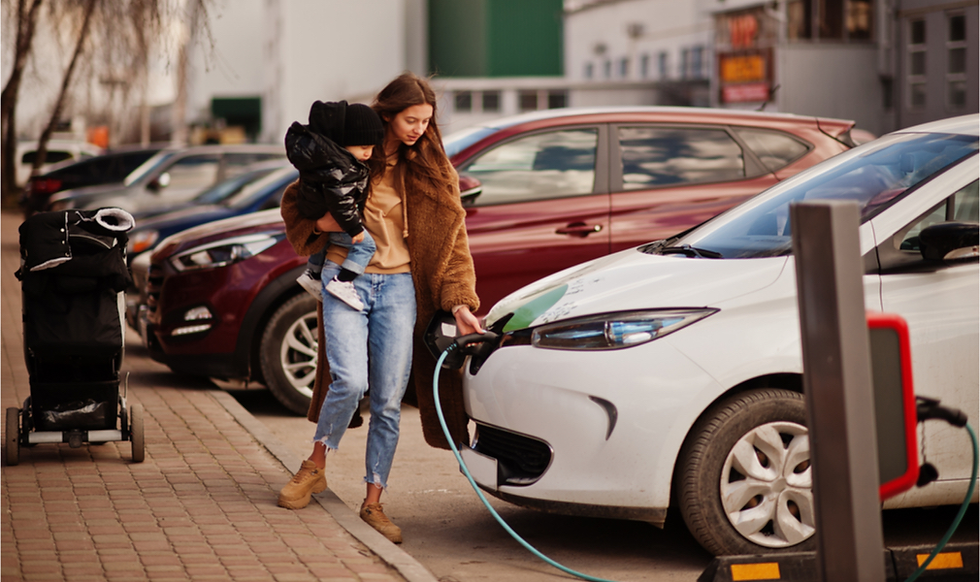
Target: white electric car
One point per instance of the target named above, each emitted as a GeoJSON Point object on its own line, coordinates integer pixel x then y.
{"type": "Point", "coordinates": [671, 373]}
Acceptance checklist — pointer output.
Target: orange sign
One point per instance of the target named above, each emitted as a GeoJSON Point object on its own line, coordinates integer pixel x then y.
{"type": "Point", "coordinates": [743, 68]}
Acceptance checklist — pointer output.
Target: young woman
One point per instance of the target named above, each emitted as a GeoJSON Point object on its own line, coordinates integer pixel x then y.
{"type": "Point", "coordinates": [422, 264]}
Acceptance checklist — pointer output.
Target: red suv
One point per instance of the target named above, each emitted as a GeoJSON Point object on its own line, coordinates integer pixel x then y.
{"type": "Point", "coordinates": [543, 191]}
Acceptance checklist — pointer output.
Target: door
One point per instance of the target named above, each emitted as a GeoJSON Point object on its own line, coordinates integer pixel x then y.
{"type": "Point", "coordinates": [541, 208]}
{"type": "Point", "coordinates": [940, 303]}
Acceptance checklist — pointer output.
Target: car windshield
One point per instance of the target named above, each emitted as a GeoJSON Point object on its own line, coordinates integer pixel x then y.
{"type": "Point", "coordinates": [147, 167]}
{"type": "Point", "coordinates": [464, 138]}
{"type": "Point", "coordinates": [260, 188]}
{"type": "Point", "coordinates": [875, 175]}
{"type": "Point", "coordinates": [226, 189]}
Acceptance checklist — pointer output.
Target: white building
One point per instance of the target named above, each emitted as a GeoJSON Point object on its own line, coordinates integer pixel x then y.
{"type": "Point", "coordinates": [616, 52]}
{"type": "Point", "coordinates": [273, 58]}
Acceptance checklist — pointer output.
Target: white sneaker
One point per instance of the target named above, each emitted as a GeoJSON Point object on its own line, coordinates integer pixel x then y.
{"type": "Point", "coordinates": [344, 290]}
{"type": "Point", "coordinates": [312, 284]}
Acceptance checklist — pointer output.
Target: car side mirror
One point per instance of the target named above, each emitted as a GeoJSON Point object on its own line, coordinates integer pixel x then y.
{"type": "Point", "coordinates": [160, 182]}
{"type": "Point", "coordinates": [950, 241]}
{"type": "Point", "coordinates": [469, 189]}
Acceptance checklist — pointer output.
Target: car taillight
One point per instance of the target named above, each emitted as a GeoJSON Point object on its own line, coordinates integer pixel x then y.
{"type": "Point", "coordinates": [45, 185]}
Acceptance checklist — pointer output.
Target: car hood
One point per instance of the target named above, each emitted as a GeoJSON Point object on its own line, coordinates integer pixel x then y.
{"type": "Point", "coordinates": [264, 220]}
{"type": "Point", "coordinates": [631, 280]}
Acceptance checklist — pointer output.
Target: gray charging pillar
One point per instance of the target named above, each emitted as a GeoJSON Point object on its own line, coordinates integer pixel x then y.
{"type": "Point", "coordinates": [839, 394]}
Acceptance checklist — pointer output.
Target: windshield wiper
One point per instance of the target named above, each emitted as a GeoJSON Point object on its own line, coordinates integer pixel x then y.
{"type": "Point", "coordinates": [689, 251]}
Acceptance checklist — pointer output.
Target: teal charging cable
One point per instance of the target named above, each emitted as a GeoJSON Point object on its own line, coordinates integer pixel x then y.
{"type": "Point", "coordinates": [466, 471]}
{"type": "Point", "coordinates": [959, 515]}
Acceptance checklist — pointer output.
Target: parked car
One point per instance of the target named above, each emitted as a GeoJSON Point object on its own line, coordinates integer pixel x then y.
{"type": "Point", "coordinates": [58, 150]}
{"type": "Point", "coordinates": [257, 189]}
{"type": "Point", "coordinates": [170, 177]}
{"type": "Point", "coordinates": [111, 167]}
{"type": "Point", "coordinates": [671, 373]}
{"type": "Point", "coordinates": [543, 191]}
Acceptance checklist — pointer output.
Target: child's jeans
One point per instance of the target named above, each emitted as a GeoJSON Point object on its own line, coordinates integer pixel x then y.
{"type": "Point", "coordinates": [358, 254]}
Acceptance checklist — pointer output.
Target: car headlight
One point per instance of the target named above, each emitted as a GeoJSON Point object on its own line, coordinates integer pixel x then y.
{"type": "Point", "coordinates": [142, 241]}
{"type": "Point", "coordinates": [613, 331]}
{"type": "Point", "coordinates": [225, 252]}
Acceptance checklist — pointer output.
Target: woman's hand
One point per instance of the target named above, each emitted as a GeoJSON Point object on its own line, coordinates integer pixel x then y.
{"type": "Point", "coordinates": [466, 322]}
{"type": "Point", "coordinates": [328, 224]}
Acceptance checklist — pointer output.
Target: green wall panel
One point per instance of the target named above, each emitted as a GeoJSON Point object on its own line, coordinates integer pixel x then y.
{"type": "Point", "coordinates": [495, 38]}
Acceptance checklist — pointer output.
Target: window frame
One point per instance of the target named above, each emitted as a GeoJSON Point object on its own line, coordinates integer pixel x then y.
{"type": "Point", "coordinates": [751, 165]}
{"type": "Point", "coordinates": [951, 45]}
{"type": "Point", "coordinates": [600, 183]}
{"type": "Point", "coordinates": [911, 79]}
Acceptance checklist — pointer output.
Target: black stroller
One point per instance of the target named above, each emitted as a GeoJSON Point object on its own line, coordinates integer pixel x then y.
{"type": "Point", "coordinates": [73, 279]}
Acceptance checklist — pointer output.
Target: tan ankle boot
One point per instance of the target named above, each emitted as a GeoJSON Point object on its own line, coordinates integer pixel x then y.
{"type": "Point", "coordinates": [376, 518]}
{"type": "Point", "coordinates": [307, 481]}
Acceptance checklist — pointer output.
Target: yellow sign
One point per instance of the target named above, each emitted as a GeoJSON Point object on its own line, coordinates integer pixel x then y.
{"type": "Point", "coordinates": [743, 68]}
{"type": "Point", "coordinates": [942, 561]}
{"type": "Point", "coordinates": [760, 571]}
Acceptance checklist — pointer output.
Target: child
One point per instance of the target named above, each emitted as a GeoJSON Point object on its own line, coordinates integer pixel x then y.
{"type": "Point", "coordinates": [330, 153]}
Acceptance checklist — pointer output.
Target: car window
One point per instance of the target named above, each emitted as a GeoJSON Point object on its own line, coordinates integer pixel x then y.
{"type": "Point", "coordinates": [773, 148]}
{"type": "Point", "coordinates": [51, 157]}
{"type": "Point", "coordinates": [961, 207]}
{"type": "Point", "coordinates": [535, 167]}
{"type": "Point", "coordinates": [236, 161]}
{"type": "Point", "coordinates": [875, 175]}
{"type": "Point", "coordinates": [664, 156]}
{"type": "Point", "coordinates": [194, 171]}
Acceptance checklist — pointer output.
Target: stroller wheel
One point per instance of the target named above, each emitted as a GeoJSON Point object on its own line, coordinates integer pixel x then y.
{"type": "Point", "coordinates": [136, 432]}
{"type": "Point", "coordinates": [13, 436]}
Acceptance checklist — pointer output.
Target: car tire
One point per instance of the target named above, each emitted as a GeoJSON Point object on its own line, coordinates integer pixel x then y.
{"type": "Point", "coordinates": [744, 480]}
{"type": "Point", "coordinates": [288, 353]}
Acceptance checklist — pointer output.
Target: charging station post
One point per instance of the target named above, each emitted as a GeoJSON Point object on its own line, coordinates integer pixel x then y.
{"type": "Point", "coordinates": [837, 380]}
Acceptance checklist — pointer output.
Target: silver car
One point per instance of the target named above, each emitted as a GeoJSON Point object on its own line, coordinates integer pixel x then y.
{"type": "Point", "coordinates": [172, 176]}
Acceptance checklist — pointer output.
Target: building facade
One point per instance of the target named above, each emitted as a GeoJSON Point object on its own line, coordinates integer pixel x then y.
{"type": "Point", "coordinates": [887, 64]}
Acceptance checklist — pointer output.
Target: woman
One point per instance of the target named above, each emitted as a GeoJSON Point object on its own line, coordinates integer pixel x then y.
{"type": "Point", "coordinates": [422, 264]}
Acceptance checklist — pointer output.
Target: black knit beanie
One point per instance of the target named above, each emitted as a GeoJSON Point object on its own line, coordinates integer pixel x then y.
{"type": "Point", "coordinates": [362, 126]}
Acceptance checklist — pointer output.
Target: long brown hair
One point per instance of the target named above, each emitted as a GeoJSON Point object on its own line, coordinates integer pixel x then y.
{"type": "Point", "coordinates": [426, 157]}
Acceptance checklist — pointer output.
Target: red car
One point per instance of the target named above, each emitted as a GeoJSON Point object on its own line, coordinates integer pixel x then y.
{"type": "Point", "coordinates": [543, 191]}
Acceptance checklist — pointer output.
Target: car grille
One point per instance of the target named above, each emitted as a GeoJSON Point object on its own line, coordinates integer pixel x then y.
{"type": "Point", "coordinates": [521, 460]}
{"type": "Point", "coordinates": [154, 282]}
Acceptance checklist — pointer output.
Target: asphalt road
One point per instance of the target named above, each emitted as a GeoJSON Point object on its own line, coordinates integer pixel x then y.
{"type": "Point", "coordinates": [449, 531]}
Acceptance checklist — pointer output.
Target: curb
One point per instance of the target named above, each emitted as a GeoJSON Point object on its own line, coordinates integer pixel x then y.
{"type": "Point", "coordinates": [406, 565]}
{"type": "Point", "coordinates": [957, 562]}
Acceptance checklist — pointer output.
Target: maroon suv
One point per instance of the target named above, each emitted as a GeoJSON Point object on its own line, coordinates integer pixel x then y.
{"type": "Point", "coordinates": [543, 191]}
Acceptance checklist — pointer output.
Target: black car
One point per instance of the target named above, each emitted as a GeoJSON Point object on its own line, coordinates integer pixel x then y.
{"type": "Point", "coordinates": [113, 166]}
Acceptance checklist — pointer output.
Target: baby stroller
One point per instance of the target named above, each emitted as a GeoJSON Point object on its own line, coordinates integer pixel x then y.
{"type": "Point", "coordinates": [73, 279]}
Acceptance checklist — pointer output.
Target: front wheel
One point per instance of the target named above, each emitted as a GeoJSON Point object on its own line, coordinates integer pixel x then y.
{"type": "Point", "coordinates": [288, 353]}
{"type": "Point", "coordinates": [744, 479]}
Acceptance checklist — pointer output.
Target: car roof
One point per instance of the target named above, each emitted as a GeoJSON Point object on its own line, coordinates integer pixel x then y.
{"type": "Point", "coordinates": [707, 112]}
{"type": "Point", "coordinates": [962, 125]}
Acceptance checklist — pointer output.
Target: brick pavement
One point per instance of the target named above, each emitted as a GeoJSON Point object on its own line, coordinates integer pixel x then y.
{"type": "Point", "coordinates": [202, 506]}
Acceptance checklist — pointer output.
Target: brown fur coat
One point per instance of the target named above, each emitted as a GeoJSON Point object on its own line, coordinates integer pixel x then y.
{"type": "Point", "coordinates": [442, 271]}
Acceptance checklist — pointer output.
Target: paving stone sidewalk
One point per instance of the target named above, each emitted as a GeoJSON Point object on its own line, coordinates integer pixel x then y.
{"type": "Point", "coordinates": [202, 506]}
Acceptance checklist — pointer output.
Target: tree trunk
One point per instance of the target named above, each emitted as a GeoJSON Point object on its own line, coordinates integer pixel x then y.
{"type": "Point", "coordinates": [42, 142]}
{"type": "Point", "coordinates": [26, 22]}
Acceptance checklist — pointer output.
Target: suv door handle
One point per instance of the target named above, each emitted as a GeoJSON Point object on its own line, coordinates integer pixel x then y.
{"type": "Point", "coordinates": [579, 229]}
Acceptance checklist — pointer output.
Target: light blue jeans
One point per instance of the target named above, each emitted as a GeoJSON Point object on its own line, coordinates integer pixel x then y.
{"type": "Point", "coordinates": [358, 254]}
{"type": "Point", "coordinates": [368, 348]}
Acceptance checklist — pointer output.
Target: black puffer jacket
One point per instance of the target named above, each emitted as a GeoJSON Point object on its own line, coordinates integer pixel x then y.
{"type": "Point", "coordinates": [331, 179]}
